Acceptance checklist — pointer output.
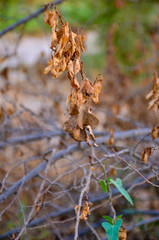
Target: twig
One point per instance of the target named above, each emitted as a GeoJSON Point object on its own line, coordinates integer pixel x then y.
{"type": "Point", "coordinates": [85, 189]}
{"type": "Point", "coordinates": [119, 153]}
{"type": "Point", "coordinates": [31, 138]}
{"type": "Point", "coordinates": [144, 222]}
{"type": "Point", "coordinates": [29, 218]}
{"type": "Point", "coordinates": [93, 230]}
{"type": "Point", "coordinates": [119, 135]}
{"type": "Point", "coordinates": [67, 211]}
{"type": "Point", "coordinates": [7, 174]}
{"type": "Point", "coordinates": [122, 159]}
{"type": "Point", "coordinates": [28, 18]}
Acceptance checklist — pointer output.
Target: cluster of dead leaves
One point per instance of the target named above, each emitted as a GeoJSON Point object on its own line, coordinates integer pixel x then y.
{"type": "Point", "coordinates": [66, 49]}
{"type": "Point", "coordinates": [85, 210]}
{"type": "Point", "coordinates": [81, 119]}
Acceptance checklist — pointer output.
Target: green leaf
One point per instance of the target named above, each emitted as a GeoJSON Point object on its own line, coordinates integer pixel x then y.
{"type": "Point", "coordinates": [112, 230]}
{"type": "Point", "coordinates": [108, 179]}
{"type": "Point", "coordinates": [118, 185]}
{"type": "Point", "coordinates": [103, 185]}
{"type": "Point", "coordinates": [119, 216]}
{"type": "Point", "coordinates": [109, 219]}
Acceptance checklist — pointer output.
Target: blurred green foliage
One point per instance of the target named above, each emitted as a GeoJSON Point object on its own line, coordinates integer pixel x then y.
{"type": "Point", "coordinates": [135, 21]}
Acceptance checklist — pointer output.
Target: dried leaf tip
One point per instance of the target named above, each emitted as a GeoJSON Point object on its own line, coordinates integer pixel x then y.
{"type": "Point", "coordinates": [122, 233]}
{"type": "Point", "coordinates": [145, 154]}
{"type": "Point", "coordinates": [85, 210]}
{"type": "Point", "coordinates": [154, 94]}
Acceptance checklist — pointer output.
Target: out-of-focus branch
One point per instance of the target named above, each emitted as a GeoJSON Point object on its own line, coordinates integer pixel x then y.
{"type": "Point", "coordinates": [31, 138]}
{"type": "Point", "coordinates": [144, 222]}
{"type": "Point", "coordinates": [85, 189]}
{"type": "Point", "coordinates": [60, 154]}
{"type": "Point", "coordinates": [70, 210]}
{"type": "Point", "coordinates": [48, 134]}
{"type": "Point", "coordinates": [28, 18]}
{"type": "Point", "coordinates": [122, 159]}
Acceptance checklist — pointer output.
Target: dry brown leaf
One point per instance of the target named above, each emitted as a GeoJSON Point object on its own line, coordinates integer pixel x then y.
{"type": "Point", "coordinates": [110, 140]}
{"type": "Point", "coordinates": [75, 83]}
{"type": "Point", "coordinates": [92, 135]}
{"type": "Point", "coordinates": [87, 87]}
{"type": "Point", "coordinates": [51, 17]}
{"type": "Point", "coordinates": [85, 210]}
{"type": "Point", "coordinates": [97, 88]}
{"type": "Point", "coordinates": [71, 126]}
{"type": "Point", "coordinates": [73, 68]}
{"type": "Point", "coordinates": [1, 113]}
{"type": "Point", "coordinates": [79, 43]}
{"type": "Point", "coordinates": [63, 41]}
{"type": "Point", "coordinates": [76, 97]}
{"type": "Point", "coordinates": [76, 208]}
{"type": "Point", "coordinates": [155, 132]}
{"type": "Point", "coordinates": [73, 42]}
{"type": "Point", "coordinates": [154, 94]}
{"type": "Point", "coordinates": [86, 118]}
{"type": "Point", "coordinates": [73, 109]}
{"type": "Point", "coordinates": [113, 172]}
{"type": "Point", "coordinates": [92, 168]}
{"type": "Point", "coordinates": [65, 45]}
{"type": "Point", "coordinates": [145, 154]}
{"type": "Point", "coordinates": [122, 233]}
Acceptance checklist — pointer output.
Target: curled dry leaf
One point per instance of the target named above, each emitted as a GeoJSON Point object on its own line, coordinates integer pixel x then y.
{"type": "Point", "coordinates": [71, 126]}
{"type": "Point", "coordinates": [76, 208]}
{"type": "Point", "coordinates": [1, 114]}
{"type": "Point", "coordinates": [86, 118]}
{"type": "Point", "coordinates": [78, 123]}
{"type": "Point", "coordinates": [87, 88]}
{"type": "Point", "coordinates": [110, 140]}
{"type": "Point", "coordinates": [85, 210]}
{"type": "Point", "coordinates": [113, 172]}
{"type": "Point", "coordinates": [145, 154]}
{"type": "Point", "coordinates": [155, 132]}
{"type": "Point", "coordinates": [97, 88]}
{"type": "Point", "coordinates": [51, 17]}
{"type": "Point", "coordinates": [122, 233]}
{"type": "Point", "coordinates": [154, 94]}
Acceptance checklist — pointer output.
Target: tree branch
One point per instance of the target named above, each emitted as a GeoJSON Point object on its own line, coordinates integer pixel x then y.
{"type": "Point", "coordinates": [70, 210]}
{"type": "Point", "coordinates": [28, 18]}
{"type": "Point", "coordinates": [62, 153]}
{"type": "Point", "coordinates": [31, 138]}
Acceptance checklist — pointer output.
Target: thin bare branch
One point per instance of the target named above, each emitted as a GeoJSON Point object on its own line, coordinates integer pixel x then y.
{"type": "Point", "coordinates": [28, 18]}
